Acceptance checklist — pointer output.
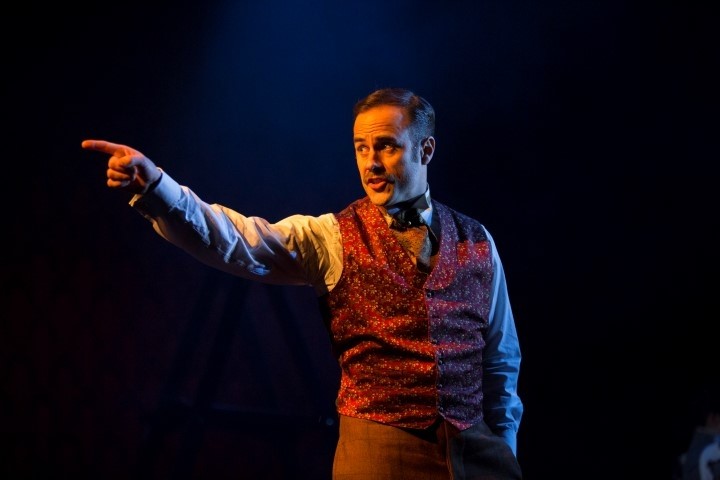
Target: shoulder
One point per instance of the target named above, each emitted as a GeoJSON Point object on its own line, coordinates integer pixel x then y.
{"type": "Point", "coordinates": [309, 223]}
{"type": "Point", "coordinates": [463, 222]}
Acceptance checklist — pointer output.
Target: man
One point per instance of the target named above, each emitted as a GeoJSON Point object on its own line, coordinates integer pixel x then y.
{"type": "Point", "coordinates": [425, 338]}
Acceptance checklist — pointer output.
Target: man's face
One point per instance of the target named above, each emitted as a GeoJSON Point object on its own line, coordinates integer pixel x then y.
{"type": "Point", "coordinates": [391, 164]}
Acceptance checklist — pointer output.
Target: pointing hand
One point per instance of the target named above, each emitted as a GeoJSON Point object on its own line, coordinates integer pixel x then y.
{"type": "Point", "coordinates": [128, 169]}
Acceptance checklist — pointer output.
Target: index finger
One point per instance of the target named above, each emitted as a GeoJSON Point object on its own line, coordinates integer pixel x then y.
{"type": "Point", "coordinates": [106, 147]}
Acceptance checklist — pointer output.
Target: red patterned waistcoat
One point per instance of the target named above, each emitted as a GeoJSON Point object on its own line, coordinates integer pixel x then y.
{"type": "Point", "coordinates": [410, 344]}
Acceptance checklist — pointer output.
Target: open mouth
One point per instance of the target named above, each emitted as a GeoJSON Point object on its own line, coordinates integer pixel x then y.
{"type": "Point", "coordinates": [377, 183]}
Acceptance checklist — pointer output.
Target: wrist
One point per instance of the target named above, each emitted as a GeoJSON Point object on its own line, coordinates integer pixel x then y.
{"type": "Point", "coordinates": [151, 186]}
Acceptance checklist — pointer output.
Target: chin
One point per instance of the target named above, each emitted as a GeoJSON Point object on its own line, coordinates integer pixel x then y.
{"type": "Point", "coordinates": [378, 198]}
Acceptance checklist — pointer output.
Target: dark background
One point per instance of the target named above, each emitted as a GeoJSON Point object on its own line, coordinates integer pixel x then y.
{"type": "Point", "coordinates": [582, 134]}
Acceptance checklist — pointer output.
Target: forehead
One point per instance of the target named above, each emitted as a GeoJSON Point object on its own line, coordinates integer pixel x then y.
{"type": "Point", "coordinates": [384, 119]}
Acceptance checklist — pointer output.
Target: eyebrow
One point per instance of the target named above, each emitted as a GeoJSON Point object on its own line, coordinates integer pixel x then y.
{"type": "Point", "coordinates": [381, 138]}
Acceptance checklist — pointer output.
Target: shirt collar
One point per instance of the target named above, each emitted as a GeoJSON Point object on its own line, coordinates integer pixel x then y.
{"type": "Point", "coordinates": [422, 202]}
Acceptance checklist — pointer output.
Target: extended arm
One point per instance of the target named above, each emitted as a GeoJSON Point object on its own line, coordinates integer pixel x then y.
{"type": "Point", "coordinates": [298, 250]}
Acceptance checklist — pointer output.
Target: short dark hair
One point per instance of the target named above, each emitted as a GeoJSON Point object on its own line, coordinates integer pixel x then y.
{"type": "Point", "coordinates": [421, 113]}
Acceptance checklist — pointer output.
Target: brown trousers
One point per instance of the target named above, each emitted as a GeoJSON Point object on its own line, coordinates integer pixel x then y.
{"type": "Point", "coordinates": [369, 450]}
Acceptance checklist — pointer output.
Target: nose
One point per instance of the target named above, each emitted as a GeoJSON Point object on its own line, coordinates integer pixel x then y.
{"type": "Point", "coordinates": [372, 161]}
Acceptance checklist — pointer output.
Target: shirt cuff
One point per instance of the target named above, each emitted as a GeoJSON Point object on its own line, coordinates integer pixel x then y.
{"type": "Point", "coordinates": [160, 200]}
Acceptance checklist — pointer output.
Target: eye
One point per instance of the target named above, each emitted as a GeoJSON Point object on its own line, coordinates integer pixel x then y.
{"type": "Point", "coordinates": [389, 148]}
{"type": "Point", "coordinates": [361, 148]}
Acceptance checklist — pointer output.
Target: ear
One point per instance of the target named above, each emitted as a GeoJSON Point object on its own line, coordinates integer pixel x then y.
{"type": "Point", "coordinates": [427, 149]}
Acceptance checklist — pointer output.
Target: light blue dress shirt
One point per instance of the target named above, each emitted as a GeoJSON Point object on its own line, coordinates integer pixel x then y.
{"type": "Point", "coordinates": [307, 250]}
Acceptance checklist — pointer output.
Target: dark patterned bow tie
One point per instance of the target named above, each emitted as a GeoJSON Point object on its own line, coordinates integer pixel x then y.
{"type": "Point", "coordinates": [407, 218]}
